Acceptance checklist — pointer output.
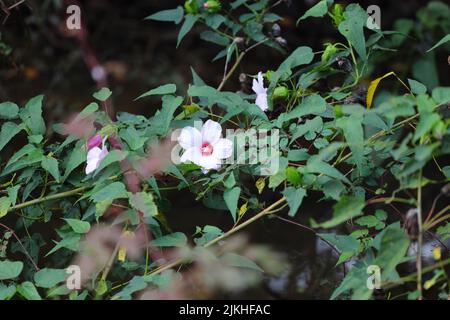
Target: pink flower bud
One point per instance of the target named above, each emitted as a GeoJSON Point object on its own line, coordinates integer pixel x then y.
{"type": "Point", "coordinates": [94, 141]}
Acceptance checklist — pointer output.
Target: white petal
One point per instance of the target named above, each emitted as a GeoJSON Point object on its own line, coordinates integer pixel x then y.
{"type": "Point", "coordinates": [260, 79]}
{"type": "Point", "coordinates": [211, 132]}
{"type": "Point", "coordinates": [223, 149]}
{"type": "Point", "coordinates": [209, 162]}
{"type": "Point", "coordinates": [103, 154]}
{"type": "Point", "coordinates": [94, 153]}
{"type": "Point", "coordinates": [92, 165]}
{"type": "Point", "coordinates": [258, 85]}
{"type": "Point", "coordinates": [261, 101]}
{"type": "Point", "coordinates": [190, 137]}
{"type": "Point", "coordinates": [192, 154]}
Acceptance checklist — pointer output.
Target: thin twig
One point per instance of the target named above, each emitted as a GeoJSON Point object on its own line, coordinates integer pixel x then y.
{"type": "Point", "coordinates": [21, 244]}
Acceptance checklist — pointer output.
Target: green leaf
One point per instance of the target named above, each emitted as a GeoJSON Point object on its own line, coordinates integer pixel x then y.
{"type": "Point", "coordinates": [172, 15]}
{"type": "Point", "coordinates": [31, 115]}
{"type": "Point", "coordinates": [112, 157]}
{"type": "Point", "coordinates": [77, 157]}
{"type": "Point", "coordinates": [50, 165]}
{"type": "Point", "coordinates": [103, 94]}
{"type": "Point", "coordinates": [136, 284]}
{"type": "Point", "coordinates": [315, 165]}
{"type": "Point", "coordinates": [319, 10]}
{"type": "Point", "coordinates": [78, 226]}
{"type": "Point", "coordinates": [354, 135]}
{"type": "Point", "coordinates": [441, 94]}
{"type": "Point", "coordinates": [48, 278]}
{"type": "Point", "coordinates": [9, 130]}
{"type": "Point", "coordinates": [28, 291]}
{"type": "Point", "coordinates": [294, 198]}
{"type": "Point", "coordinates": [348, 246]}
{"type": "Point", "coordinates": [177, 239]}
{"type": "Point", "coordinates": [144, 203]}
{"type": "Point", "coordinates": [440, 43]}
{"type": "Point", "coordinates": [8, 110]}
{"type": "Point", "coordinates": [132, 138]}
{"type": "Point", "coordinates": [208, 233]}
{"type": "Point", "coordinates": [293, 176]}
{"type": "Point", "coordinates": [393, 247]}
{"type": "Point", "coordinates": [214, 38]}
{"type": "Point", "coordinates": [7, 292]}
{"type": "Point", "coordinates": [115, 190]}
{"type": "Point", "coordinates": [161, 90]}
{"type": "Point", "coordinates": [70, 243]}
{"type": "Point", "coordinates": [312, 126]}
{"type": "Point", "coordinates": [5, 204]}
{"type": "Point", "coordinates": [417, 87]}
{"type": "Point", "coordinates": [446, 171]}
{"type": "Point", "coordinates": [348, 207]}
{"type": "Point", "coordinates": [188, 23]}
{"type": "Point", "coordinates": [231, 197]}
{"type": "Point", "coordinates": [352, 28]}
{"type": "Point", "coordinates": [301, 56]}
{"type": "Point", "coordinates": [236, 260]}
{"type": "Point", "coordinates": [230, 181]}
{"type": "Point", "coordinates": [10, 269]}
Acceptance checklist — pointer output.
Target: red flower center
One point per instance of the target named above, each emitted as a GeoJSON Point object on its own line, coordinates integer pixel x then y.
{"type": "Point", "coordinates": [206, 149]}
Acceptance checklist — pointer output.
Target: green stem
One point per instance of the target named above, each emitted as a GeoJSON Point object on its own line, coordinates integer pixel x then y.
{"type": "Point", "coordinates": [232, 70]}
{"type": "Point", "coordinates": [47, 198]}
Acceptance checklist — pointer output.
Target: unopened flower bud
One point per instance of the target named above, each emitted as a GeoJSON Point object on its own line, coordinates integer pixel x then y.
{"type": "Point", "coordinates": [94, 141]}
{"type": "Point", "coordinates": [338, 111]}
{"type": "Point", "coordinates": [446, 190]}
{"type": "Point", "coordinates": [281, 41]}
{"type": "Point", "coordinates": [212, 6]}
{"type": "Point", "coordinates": [330, 50]}
{"type": "Point", "coordinates": [242, 78]}
{"type": "Point", "coordinates": [280, 93]}
{"type": "Point", "coordinates": [337, 14]}
{"type": "Point", "coordinates": [344, 64]}
{"type": "Point", "coordinates": [412, 224]}
{"type": "Point", "coordinates": [191, 6]}
{"type": "Point", "coordinates": [276, 30]}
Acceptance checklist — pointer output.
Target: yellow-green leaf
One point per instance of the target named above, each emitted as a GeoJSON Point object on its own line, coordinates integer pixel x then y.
{"type": "Point", "coordinates": [373, 87]}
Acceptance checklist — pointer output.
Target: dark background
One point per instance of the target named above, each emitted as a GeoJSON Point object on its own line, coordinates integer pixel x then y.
{"type": "Point", "coordinates": [140, 55]}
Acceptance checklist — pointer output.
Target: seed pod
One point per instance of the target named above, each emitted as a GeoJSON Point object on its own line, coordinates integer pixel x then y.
{"type": "Point", "coordinates": [240, 42]}
{"type": "Point", "coordinates": [281, 41]}
{"type": "Point", "coordinates": [344, 64]}
{"type": "Point", "coordinates": [446, 190]}
{"type": "Point", "coordinates": [351, 100]}
{"type": "Point", "coordinates": [276, 30]}
{"type": "Point", "coordinates": [411, 224]}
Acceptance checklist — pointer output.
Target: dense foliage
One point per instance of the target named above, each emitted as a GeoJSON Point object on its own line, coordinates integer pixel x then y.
{"type": "Point", "coordinates": [365, 151]}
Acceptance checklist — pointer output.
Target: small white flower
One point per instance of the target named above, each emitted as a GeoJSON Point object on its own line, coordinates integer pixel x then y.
{"type": "Point", "coordinates": [205, 148]}
{"type": "Point", "coordinates": [261, 92]}
{"type": "Point", "coordinates": [95, 156]}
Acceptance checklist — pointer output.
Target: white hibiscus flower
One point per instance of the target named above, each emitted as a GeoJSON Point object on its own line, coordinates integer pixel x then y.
{"type": "Point", "coordinates": [261, 92]}
{"type": "Point", "coordinates": [205, 148]}
{"type": "Point", "coordinates": [95, 155]}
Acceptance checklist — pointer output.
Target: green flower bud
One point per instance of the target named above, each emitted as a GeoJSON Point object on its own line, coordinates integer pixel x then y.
{"type": "Point", "coordinates": [337, 14]}
{"type": "Point", "coordinates": [268, 74]}
{"type": "Point", "coordinates": [191, 6]}
{"type": "Point", "coordinates": [293, 176]}
{"type": "Point", "coordinates": [338, 111]}
{"type": "Point", "coordinates": [212, 6]}
{"type": "Point", "coordinates": [280, 92]}
{"type": "Point", "coordinates": [330, 50]}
